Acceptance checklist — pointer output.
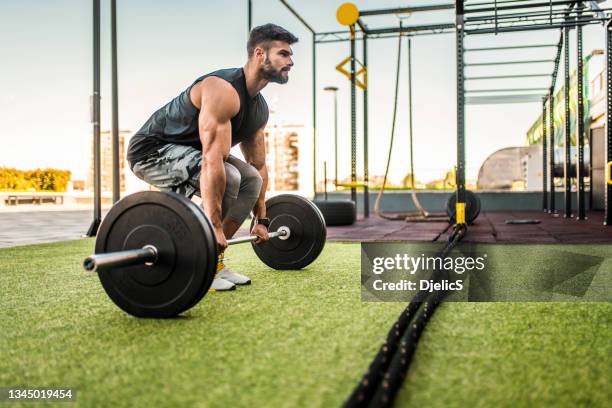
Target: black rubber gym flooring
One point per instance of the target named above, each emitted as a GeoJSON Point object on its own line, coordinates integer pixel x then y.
{"type": "Point", "coordinates": [489, 227]}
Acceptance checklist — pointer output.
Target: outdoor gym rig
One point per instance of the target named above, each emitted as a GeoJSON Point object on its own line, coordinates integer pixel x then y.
{"type": "Point", "coordinates": [472, 17]}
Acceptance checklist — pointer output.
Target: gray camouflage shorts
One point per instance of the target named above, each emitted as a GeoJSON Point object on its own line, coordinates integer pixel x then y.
{"type": "Point", "coordinates": [177, 168]}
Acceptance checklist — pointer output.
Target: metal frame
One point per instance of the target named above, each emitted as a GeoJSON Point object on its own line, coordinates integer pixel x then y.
{"type": "Point", "coordinates": [352, 38]}
{"type": "Point", "coordinates": [551, 100]}
{"type": "Point", "coordinates": [567, 192]}
{"type": "Point", "coordinates": [366, 173]}
{"type": "Point", "coordinates": [544, 162]}
{"type": "Point", "coordinates": [353, 121]}
{"type": "Point", "coordinates": [95, 120]}
{"type": "Point", "coordinates": [485, 17]}
{"type": "Point", "coordinates": [459, 54]}
{"type": "Point", "coordinates": [115, 104]}
{"type": "Point", "coordinates": [353, 113]}
{"type": "Point", "coordinates": [581, 214]}
{"type": "Point", "coordinates": [493, 17]}
{"type": "Point", "coordinates": [608, 189]}
{"type": "Point", "coordinates": [314, 89]}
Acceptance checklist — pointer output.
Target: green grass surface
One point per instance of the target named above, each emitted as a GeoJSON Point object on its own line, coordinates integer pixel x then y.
{"type": "Point", "coordinates": [291, 339]}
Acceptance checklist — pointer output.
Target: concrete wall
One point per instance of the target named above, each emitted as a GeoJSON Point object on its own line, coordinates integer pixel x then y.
{"type": "Point", "coordinates": [401, 201]}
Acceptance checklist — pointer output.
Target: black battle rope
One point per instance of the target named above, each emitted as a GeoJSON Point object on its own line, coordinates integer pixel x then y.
{"type": "Point", "coordinates": [422, 214]}
{"type": "Point", "coordinates": [387, 371]}
{"type": "Point", "coordinates": [397, 78]}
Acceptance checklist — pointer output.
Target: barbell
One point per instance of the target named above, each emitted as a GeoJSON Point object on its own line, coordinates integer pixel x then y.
{"type": "Point", "coordinates": [156, 253]}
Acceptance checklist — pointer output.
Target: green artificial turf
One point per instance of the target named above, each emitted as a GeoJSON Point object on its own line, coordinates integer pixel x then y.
{"type": "Point", "coordinates": [293, 338]}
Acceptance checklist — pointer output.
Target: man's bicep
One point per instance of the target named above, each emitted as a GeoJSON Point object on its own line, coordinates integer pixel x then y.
{"type": "Point", "coordinates": [219, 104]}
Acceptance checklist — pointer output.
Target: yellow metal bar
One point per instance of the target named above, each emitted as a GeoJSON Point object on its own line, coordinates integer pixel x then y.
{"type": "Point", "coordinates": [340, 67]}
{"type": "Point", "coordinates": [460, 213]}
{"type": "Point", "coordinates": [609, 173]}
{"type": "Point", "coordinates": [352, 185]}
{"type": "Point", "coordinates": [363, 71]}
{"type": "Point", "coordinates": [362, 84]}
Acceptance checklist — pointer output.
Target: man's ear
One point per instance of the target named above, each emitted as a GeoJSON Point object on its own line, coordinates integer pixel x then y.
{"type": "Point", "coordinates": [259, 52]}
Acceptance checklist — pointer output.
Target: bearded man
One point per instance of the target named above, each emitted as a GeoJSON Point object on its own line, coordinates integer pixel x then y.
{"type": "Point", "coordinates": [184, 147]}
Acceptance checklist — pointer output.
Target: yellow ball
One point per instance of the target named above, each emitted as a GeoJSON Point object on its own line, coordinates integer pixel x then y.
{"type": "Point", "coordinates": [347, 14]}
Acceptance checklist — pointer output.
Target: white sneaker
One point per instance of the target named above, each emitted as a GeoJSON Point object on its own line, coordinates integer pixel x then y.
{"type": "Point", "coordinates": [221, 285]}
{"type": "Point", "coordinates": [233, 277]}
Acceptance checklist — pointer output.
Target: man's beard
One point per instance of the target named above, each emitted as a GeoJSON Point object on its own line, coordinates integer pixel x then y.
{"type": "Point", "coordinates": [273, 75]}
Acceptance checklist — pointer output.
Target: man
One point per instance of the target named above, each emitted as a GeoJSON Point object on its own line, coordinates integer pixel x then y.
{"type": "Point", "coordinates": [185, 146]}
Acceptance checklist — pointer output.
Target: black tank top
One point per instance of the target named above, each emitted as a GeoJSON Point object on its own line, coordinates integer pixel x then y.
{"type": "Point", "coordinates": [177, 121]}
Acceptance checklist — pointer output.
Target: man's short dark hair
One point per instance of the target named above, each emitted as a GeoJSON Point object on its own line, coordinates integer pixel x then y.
{"type": "Point", "coordinates": [263, 35]}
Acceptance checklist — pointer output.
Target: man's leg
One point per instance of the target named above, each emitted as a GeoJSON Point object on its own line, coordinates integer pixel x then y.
{"type": "Point", "coordinates": [177, 168]}
{"type": "Point", "coordinates": [250, 187]}
{"type": "Point", "coordinates": [234, 180]}
{"type": "Point", "coordinates": [248, 193]}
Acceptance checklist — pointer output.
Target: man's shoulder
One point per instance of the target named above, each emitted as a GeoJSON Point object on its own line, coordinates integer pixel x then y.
{"type": "Point", "coordinates": [229, 74]}
{"type": "Point", "coordinates": [218, 95]}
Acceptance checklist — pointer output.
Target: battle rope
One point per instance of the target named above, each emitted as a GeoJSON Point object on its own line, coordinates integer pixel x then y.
{"type": "Point", "coordinates": [379, 385]}
{"type": "Point", "coordinates": [397, 76]}
{"type": "Point", "coordinates": [422, 214]}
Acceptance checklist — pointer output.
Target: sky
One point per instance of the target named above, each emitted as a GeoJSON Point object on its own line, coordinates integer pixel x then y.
{"type": "Point", "coordinates": [46, 79]}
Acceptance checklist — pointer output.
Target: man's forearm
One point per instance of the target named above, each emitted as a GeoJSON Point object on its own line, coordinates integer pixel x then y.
{"type": "Point", "coordinates": [212, 187]}
{"type": "Point", "coordinates": [260, 207]}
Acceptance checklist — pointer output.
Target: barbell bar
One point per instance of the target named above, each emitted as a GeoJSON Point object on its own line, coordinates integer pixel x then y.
{"type": "Point", "coordinates": [148, 254]}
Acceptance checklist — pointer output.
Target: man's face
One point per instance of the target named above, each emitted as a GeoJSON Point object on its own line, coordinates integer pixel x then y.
{"type": "Point", "coordinates": [277, 62]}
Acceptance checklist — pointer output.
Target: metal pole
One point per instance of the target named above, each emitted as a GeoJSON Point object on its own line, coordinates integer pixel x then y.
{"type": "Point", "coordinates": [551, 112]}
{"type": "Point", "coordinates": [492, 63]}
{"type": "Point", "coordinates": [567, 164]}
{"type": "Point", "coordinates": [336, 137]}
{"type": "Point", "coordinates": [314, 115]}
{"type": "Point", "coordinates": [402, 10]}
{"type": "Point", "coordinates": [590, 133]}
{"type": "Point", "coordinates": [608, 187]}
{"type": "Point", "coordinates": [250, 14]}
{"type": "Point", "coordinates": [551, 151]}
{"type": "Point", "coordinates": [115, 105]}
{"type": "Point", "coordinates": [325, 179]}
{"type": "Point", "coordinates": [544, 161]}
{"type": "Point", "coordinates": [581, 214]}
{"type": "Point", "coordinates": [366, 189]}
{"type": "Point", "coordinates": [353, 121]}
{"type": "Point", "coordinates": [460, 172]}
{"type": "Point", "coordinates": [410, 110]}
{"type": "Point", "coordinates": [95, 119]}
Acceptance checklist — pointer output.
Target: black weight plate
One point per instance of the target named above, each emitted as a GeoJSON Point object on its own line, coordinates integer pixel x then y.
{"type": "Point", "coordinates": [308, 233]}
{"type": "Point", "coordinates": [337, 212]}
{"type": "Point", "coordinates": [212, 242]}
{"type": "Point", "coordinates": [186, 260]}
{"type": "Point", "coordinates": [472, 207]}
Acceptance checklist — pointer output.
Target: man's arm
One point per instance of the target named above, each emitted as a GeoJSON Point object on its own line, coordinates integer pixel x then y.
{"type": "Point", "coordinates": [219, 103]}
{"type": "Point", "coordinates": [254, 152]}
